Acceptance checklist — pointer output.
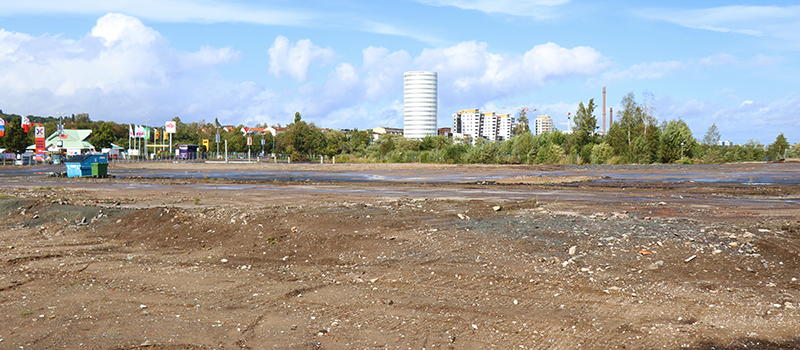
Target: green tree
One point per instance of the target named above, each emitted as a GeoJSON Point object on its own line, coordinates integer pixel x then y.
{"type": "Point", "coordinates": [583, 137]}
{"type": "Point", "coordinates": [601, 153]}
{"type": "Point", "coordinates": [634, 131]}
{"type": "Point", "coordinates": [302, 140]}
{"type": "Point", "coordinates": [522, 124]}
{"type": "Point", "coordinates": [585, 122]}
{"type": "Point", "coordinates": [103, 136]}
{"type": "Point", "coordinates": [16, 138]}
{"type": "Point", "coordinates": [386, 144]}
{"type": "Point", "coordinates": [359, 141]}
{"type": "Point", "coordinates": [778, 148]}
{"type": "Point", "coordinates": [676, 138]}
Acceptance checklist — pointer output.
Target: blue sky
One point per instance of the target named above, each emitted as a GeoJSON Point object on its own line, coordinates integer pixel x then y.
{"type": "Point", "coordinates": [340, 63]}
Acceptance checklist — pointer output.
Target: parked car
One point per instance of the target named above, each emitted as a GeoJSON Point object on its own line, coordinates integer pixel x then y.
{"type": "Point", "coordinates": [23, 160]}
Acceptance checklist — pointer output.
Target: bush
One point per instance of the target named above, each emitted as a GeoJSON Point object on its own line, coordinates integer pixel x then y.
{"type": "Point", "coordinates": [601, 153]}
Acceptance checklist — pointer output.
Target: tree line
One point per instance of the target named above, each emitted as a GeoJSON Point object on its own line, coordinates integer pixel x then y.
{"type": "Point", "coordinates": [635, 137]}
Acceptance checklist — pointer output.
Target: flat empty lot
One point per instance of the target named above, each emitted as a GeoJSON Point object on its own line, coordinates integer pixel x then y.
{"type": "Point", "coordinates": [240, 256]}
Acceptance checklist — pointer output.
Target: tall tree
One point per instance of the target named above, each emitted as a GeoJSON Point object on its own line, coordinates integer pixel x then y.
{"type": "Point", "coordinates": [712, 136]}
{"type": "Point", "coordinates": [584, 137]}
{"type": "Point", "coordinates": [635, 120]}
{"type": "Point", "coordinates": [522, 125]}
{"type": "Point", "coordinates": [585, 121]}
{"type": "Point", "coordinates": [16, 138]}
{"type": "Point", "coordinates": [779, 147]}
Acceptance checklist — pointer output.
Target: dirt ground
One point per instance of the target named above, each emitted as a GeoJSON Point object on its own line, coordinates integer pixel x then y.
{"type": "Point", "coordinates": [524, 262]}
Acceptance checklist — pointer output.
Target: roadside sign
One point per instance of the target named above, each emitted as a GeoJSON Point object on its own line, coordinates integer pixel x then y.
{"type": "Point", "coordinates": [39, 139]}
{"type": "Point", "coordinates": [249, 141]}
{"type": "Point", "coordinates": [217, 138]}
{"type": "Point", "coordinates": [172, 127]}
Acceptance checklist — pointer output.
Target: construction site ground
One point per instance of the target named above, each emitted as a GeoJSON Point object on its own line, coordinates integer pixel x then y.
{"type": "Point", "coordinates": [562, 259]}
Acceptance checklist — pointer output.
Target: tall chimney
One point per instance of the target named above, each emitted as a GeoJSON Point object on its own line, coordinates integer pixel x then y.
{"type": "Point", "coordinates": [610, 116]}
{"type": "Point", "coordinates": [604, 110]}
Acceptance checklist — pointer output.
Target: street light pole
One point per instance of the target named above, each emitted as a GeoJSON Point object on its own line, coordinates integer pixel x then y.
{"type": "Point", "coordinates": [681, 150]}
{"type": "Point", "coordinates": [146, 121]}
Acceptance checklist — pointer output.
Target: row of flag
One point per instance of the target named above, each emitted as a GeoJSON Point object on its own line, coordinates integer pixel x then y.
{"type": "Point", "coordinates": [138, 131]}
{"type": "Point", "coordinates": [26, 125]}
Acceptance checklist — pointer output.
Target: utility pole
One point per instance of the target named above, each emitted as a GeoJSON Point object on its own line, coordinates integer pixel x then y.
{"type": "Point", "coordinates": [146, 121]}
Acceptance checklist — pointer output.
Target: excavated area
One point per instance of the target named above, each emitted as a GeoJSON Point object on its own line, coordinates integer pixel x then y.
{"type": "Point", "coordinates": [567, 262]}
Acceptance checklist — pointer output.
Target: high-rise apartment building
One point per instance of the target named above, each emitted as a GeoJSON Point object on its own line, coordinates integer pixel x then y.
{"type": "Point", "coordinates": [472, 123]}
{"type": "Point", "coordinates": [543, 124]}
{"type": "Point", "coordinates": [419, 104]}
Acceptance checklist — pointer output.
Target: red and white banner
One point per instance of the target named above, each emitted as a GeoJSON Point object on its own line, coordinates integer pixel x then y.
{"type": "Point", "coordinates": [26, 124]}
{"type": "Point", "coordinates": [139, 131]}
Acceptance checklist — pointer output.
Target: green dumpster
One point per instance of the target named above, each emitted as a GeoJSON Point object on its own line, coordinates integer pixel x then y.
{"type": "Point", "coordinates": [99, 169]}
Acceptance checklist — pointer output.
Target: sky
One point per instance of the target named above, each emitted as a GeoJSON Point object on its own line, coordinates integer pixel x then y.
{"type": "Point", "coordinates": [340, 63]}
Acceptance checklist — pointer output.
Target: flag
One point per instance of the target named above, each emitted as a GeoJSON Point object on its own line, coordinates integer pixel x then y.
{"type": "Point", "coordinates": [130, 131]}
{"type": "Point", "coordinates": [2, 127]}
{"type": "Point", "coordinates": [138, 131]}
{"type": "Point", "coordinates": [26, 124]}
{"type": "Point", "coordinates": [157, 134]}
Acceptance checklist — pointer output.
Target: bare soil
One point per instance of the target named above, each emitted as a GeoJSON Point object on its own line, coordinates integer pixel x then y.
{"type": "Point", "coordinates": [158, 263]}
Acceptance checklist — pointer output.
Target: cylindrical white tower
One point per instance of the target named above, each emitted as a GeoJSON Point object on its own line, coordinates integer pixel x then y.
{"type": "Point", "coordinates": [419, 104]}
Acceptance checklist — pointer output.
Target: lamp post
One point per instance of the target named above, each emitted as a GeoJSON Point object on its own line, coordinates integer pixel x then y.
{"type": "Point", "coordinates": [681, 150]}
{"type": "Point", "coordinates": [146, 139]}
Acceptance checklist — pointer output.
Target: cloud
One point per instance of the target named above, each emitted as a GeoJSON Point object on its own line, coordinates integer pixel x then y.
{"type": "Point", "coordinates": [762, 60]}
{"type": "Point", "coordinates": [267, 13]}
{"type": "Point", "coordinates": [764, 119]}
{"type": "Point", "coordinates": [717, 60]}
{"type": "Point", "coordinates": [538, 9]}
{"type": "Point", "coordinates": [294, 60]}
{"type": "Point", "coordinates": [773, 21]}
{"type": "Point", "coordinates": [642, 71]}
{"type": "Point", "coordinates": [126, 71]}
{"type": "Point", "coordinates": [181, 11]}
{"type": "Point", "coordinates": [471, 72]}
{"type": "Point", "coordinates": [121, 67]}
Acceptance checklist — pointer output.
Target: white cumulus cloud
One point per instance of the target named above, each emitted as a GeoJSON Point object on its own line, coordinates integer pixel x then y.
{"type": "Point", "coordinates": [120, 62]}
{"type": "Point", "coordinates": [294, 59]}
{"type": "Point", "coordinates": [126, 71]}
{"type": "Point", "coordinates": [474, 72]}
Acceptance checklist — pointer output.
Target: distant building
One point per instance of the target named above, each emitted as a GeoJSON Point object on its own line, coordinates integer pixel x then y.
{"type": "Point", "coordinates": [543, 124]}
{"type": "Point", "coordinates": [420, 109]}
{"type": "Point", "coordinates": [724, 143]}
{"type": "Point", "coordinates": [377, 132]}
{"type": "Point", "coordinates": [473, 124]}
{"type": "Point", "coordinates": [274, 130]}
{"type": "Point", "coordinates": [446, 132]}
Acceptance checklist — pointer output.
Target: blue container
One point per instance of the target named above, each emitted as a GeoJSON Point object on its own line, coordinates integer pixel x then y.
{"type": "Point", "coordinates": [81, 165]}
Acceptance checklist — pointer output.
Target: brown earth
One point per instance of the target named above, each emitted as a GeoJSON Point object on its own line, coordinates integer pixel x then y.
{"type": "Point", "coordinates": [130, 263]}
